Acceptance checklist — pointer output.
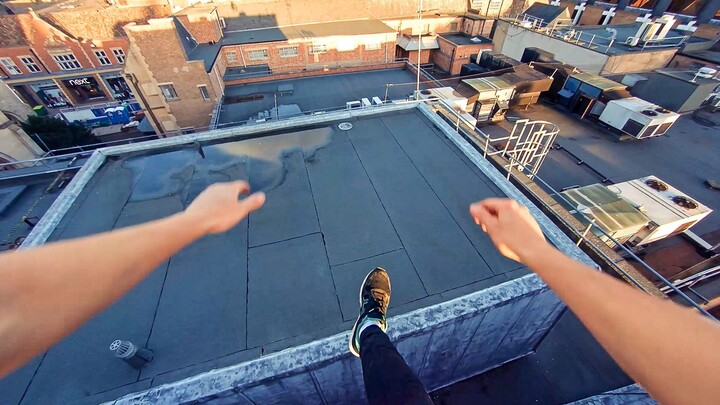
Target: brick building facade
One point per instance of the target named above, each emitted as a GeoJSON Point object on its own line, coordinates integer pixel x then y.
{"type": "Point", "coordinates": [68, 57]}
{"type": "Point", "coordinates": [180, 83]}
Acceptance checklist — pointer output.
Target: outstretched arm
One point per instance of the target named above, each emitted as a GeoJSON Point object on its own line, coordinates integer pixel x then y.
{"type": "Point", "coordinates": [673, 352]}
{"type": "Point", "coordinates": [49, 291]}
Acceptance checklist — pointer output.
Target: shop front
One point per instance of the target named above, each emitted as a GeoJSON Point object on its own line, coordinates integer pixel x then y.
{"type": "Point", "coordinates": [84, 89]}
{"type": "Point", "coordinates": [50, 94]}
{"type": "Point", "coordinates": [119, 89]}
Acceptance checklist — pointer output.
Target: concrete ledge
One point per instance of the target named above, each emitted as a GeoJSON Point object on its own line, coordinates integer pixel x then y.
{"type": "Point", "coordinates": [444, 343]}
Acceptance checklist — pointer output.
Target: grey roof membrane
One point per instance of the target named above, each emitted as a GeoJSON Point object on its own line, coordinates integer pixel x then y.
{"type": "Point", "coordinates": [392, 192]}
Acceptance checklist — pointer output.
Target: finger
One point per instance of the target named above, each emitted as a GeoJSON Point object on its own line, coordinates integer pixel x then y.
{"type": "Point", "coordinates": [241, 186]}
{"type": "Point", "coordinates": [483, 216]}
{"type": "Point", "coordinates": [252, 202]}
{"type": "Point", "coordinates": [495, 205]}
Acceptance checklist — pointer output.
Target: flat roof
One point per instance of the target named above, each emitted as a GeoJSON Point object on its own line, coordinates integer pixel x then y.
{"type": "Point", "coordinates": [487, 83]}
{"type": "Point", "coordinates": [393, 191]}
{"type": "Point", "coordinates": [462, 39]}
{"type": "Point", "coordinates": [597, 81]}
{"type": "Point", "coordinates": [208, 53]}
{"type": "Point", "coordinates": [687, 76]}
{"type": "Point", "coordinates": [624, 31]}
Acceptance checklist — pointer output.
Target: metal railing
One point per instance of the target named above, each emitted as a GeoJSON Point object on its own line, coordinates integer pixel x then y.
{"type": "Point", "coordinates": [469, 129]}
{"type": "Point", "coordinates": [297, 70]}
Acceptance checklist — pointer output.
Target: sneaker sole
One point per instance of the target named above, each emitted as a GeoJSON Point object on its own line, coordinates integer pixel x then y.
{"type": "Point", "coordinates": [352, 332]}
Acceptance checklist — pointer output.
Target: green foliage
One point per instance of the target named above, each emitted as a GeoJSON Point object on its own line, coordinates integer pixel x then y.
{"type": "Point", "coordinates": [57, 134]}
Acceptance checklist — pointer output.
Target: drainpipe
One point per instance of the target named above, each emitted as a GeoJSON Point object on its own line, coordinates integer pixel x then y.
{"type": "Point", "coordinates": [140, 94]}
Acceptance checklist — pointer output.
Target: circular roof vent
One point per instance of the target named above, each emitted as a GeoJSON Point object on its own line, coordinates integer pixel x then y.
{"type": "Point", "coordinates": [345, 126]}
{"type": "Point", "coordinates": [662, 110]}
{"type": "Point", "coordinates": [656, 185]}
{"type": "Point", "coordinates": [684, 202]}
{"type": "Point", "coordinates": [425, 92]}
{"type": "Point", "coordinates": [649, 113]}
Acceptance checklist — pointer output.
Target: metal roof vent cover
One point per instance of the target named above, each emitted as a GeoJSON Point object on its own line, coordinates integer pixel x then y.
{"type": "Point", "coordinates": [345, 126]}
{"type": "Point", "coordinates": [656, 185]}
{"type": "Point", "coordinates": [684, 202]}
{"type": "Point", "coordinates": [649, 113]}
{"type": "Point", "coordinates": [127, 351]}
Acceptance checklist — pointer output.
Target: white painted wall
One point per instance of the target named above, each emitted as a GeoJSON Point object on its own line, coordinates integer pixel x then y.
{"type": "Point", "coordinates": [511, 40]}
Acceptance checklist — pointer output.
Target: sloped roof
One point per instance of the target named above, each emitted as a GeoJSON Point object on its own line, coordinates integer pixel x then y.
{"type": "Point", "coordinates": [15, 30]}
{"type": "Point", "coordinates": [105, 23]}
{"type": "Point", "coordinates": [545, 12]}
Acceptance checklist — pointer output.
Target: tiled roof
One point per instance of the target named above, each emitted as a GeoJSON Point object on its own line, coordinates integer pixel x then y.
{"type": "Point", "coordinates": [104, 23]}
{"type": "Point", "coordinates": [15, 30]}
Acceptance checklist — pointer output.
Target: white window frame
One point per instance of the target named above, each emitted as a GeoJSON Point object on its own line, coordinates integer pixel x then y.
{"type": "Point", "coordinates": [30, 64]}
{"type": "Point", "coordinates": [206, 94]}
{"type": "Point", "coordinates": [295, 49]}
{"type": "Point", "coordinates": [66, 61]}
{"type": "Point", "coordinates": [317, 49]}
{"type": "Point", "coordinates": [170, 86]}
{"type": "Point", "coordinates": [119, 55]}
{"type": "Point", "coordinates": [10, 66]}
{"type": "Point", "coordinates": [373, 46]}
{"type": "Point", "coordinates": [232, 59]}
{"type": "Point", "coordinates": [102, 57]}
{"type": "Point", "coordinates": [265, 55]}
{"type": "Point", "coordinates": [222, 22]}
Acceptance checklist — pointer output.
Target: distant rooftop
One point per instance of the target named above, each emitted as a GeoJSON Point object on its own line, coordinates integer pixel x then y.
{"type": "Point", "coordinates": [624, 31]}
{"type": "Point", "coordinates": [462, 39]}
{"type": "Point", "coordinates": [597, 81]}
{"type": "Point", "coordinates": [687, 76]}
{"type": "Point", "coordinates": [208, 52]}
{"type": "Point", "coordinates": [545, 12]}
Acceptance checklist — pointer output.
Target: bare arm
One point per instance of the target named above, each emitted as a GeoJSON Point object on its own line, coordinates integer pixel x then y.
{"type": "Point", "coordinates": [47, 292]}
{"type": "Point", "coordinates": [673, 352]}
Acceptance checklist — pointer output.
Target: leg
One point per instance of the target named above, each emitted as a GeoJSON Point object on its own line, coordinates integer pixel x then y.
{"type": "Point", "coordinates": [388, 378]}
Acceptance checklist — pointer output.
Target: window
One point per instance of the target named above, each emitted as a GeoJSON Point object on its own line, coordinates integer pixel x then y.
{"type": "Point", "coordinates": [30, 64]}
{"type": "Point", "coordinates": [372, 46]}
{"type": "Point", "coordinates": [316, 49]}
{"type": "Point", "coordinates": [258, 54]}
{"type": "Point", "coordinates": [119, 55]}
{"type": "Point", "coordinates": [231, 56]}
{"type": "Point", "coordinates": [10, 66]}
{"type": "Point", "coordinates": [168, 91]}
{"type": "Point", "coordinates": [204, 92]}
{"type": "Point", "coordinates": [288, 51]}
{"type": "Point", "coordinates": [102, 58]}
{"type": "Point", "coordinates": [66, 61]}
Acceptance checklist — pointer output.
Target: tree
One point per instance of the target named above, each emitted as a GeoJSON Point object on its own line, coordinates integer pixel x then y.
{"type": "Point", "coordinates": [56, 133]}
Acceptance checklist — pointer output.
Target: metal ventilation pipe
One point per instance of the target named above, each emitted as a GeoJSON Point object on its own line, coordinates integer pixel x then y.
{"type": "Point", "coordinates": [135, 356]}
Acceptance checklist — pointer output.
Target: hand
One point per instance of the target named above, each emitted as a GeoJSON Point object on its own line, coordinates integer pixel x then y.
{"type": "Point", "coordinates": [217, 209]}
{"type": "Point", "coordinates": [511, 227]}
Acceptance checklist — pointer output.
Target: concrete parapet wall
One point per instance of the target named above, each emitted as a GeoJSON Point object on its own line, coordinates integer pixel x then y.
{"type": "Point", "coordinates": [444, 343]}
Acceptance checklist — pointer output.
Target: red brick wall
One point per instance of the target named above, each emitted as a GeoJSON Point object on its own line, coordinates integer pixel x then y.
{"type": "Point", "coordinates": [332, 57]}
{"type": "Point", "coordinates": [451, 57]}
{"type": "Point", "coordinates": [163, 55]}
{"type": "Point", "coordinates": [14, 54]}
{"type": "Point", "coordinates": [106, 23]}
{"type": "Point", "coordinates": [106, 46]}
{"type": "Point", "coordinates": [424, 57]}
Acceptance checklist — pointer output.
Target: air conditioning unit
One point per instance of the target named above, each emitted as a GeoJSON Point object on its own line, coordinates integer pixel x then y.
{"type": "Point", "coordinates": [670, 210]}
{"type": "Point", "coordinates": [638, 118]}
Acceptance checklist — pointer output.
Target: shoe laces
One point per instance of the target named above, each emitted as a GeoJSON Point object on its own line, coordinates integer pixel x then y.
{"type": "Point", "coordinates": [379, 299]}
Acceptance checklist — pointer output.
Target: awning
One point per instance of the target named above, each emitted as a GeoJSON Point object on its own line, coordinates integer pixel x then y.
{"type": "Point", "coordinates": [411, 43]}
